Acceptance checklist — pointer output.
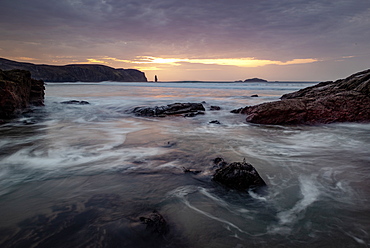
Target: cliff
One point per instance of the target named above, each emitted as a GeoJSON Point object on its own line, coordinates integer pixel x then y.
{"type": "Point", "coordinates": [75, 73]}
{"type": "Point", "coordinates": [345, 100]}
{"type": "Point", "coordinates": [17, 91]}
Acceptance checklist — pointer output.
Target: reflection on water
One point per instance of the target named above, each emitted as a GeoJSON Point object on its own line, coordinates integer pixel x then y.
{"type": "Point", "coordinates": [81, 176]}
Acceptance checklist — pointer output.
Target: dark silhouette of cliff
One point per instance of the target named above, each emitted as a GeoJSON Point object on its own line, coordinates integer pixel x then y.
{"type": "Point", "coordinates": [75, 73]}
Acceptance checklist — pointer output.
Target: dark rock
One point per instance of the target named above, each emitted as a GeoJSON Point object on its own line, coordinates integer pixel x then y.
{"type": "Point", "coordinates": [187, 170]}
{"type": "Point", "coordinates": [155, 223]}
{"type": "Point", "coordinates": [75, 73]}
{"type": "Point", "coordinates": [345, 100]}
{"type": "Point", "coordinates": [254, 95]}
{"type": "Point", "coordinates": [18, 91]}
{"type": "Point", "coordinates": [240, 176]}
{"type": "Point", "coordinates": [75, 102]}
{"type": "Point", "coordinates": [215, 122]}
{"type": "Point", "coordinates": [214, 108]}
{"type": "Point", "coordinates": [193, 114]}
{"type": "Point", "coordinates": [219, 162]}
{"type": "Point", "coordinates": [236, 111]}
{"type": "Point", "coordinates": [187, 109]}
{"type": "Point", "coordinates": [255, 80]}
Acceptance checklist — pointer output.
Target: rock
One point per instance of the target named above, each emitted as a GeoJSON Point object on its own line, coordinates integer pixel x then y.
{"type": "Point", "coordinates": [75, 73]}
{"type": "Point", "coordinates": [255, 80]}
{"type": "Point", "coordinates": [187, 109]}
{"type": "Point", "coordinates": [187, 170]}
{"type": "Point", "coordinates": [345, 100]}
{"type": "Point", "coordinates": [155, 223]}
{"type": "Point", "coordinates": [18, 91]}
{"type": "Point", "coordinates": [212, 108]}
{"type": "Point", "coordinates": [193, 114]}
{"type": "Point", "coordinates": [254, 95]}
{"type": "Point", "coordinates": [75, 102]}
{"type": "Point", "coordinates": [238, 175]}
{"type": "Point", "coordinates": [215, 122]}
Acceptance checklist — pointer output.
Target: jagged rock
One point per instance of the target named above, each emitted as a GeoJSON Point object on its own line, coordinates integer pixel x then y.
{"type": "Point", "coordinates": [238, 175]}
{"type": "Point", "coordinates": [155, 223]}
{"type": "Point", "coordinates": [75, 102]}
{"type": "Point", "coordinates": [18, 91]}
{"type": "Point", "coordinates": [345, 100]}
{"type": "Point", "coordinates": [75, 73]}
{"type": "Point", "coordinates": [187, 109]}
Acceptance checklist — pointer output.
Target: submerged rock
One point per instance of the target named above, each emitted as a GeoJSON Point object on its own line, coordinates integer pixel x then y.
{"type": "Point", "coordinates": [18, 91]}
{"type": "Point", "coordinates": [186, 109]}
{"type": "Point", "coordinates": [345, 100]}
{"type": "Point", "coordinates": [75, 102]}
{"type": "Point", "coordinates": [238, 175]}
{"type": "Point", "coordinates": [155, 223]}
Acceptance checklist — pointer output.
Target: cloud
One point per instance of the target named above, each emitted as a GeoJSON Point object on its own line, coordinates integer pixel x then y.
{"type": "Point", "coordinates": [219, 32]}
{"type": "Point", "coordinates": [239, 62]}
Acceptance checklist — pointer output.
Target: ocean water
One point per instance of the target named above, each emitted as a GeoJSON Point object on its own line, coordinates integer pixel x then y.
{"type": "Point", "coordinates": [83, 175]}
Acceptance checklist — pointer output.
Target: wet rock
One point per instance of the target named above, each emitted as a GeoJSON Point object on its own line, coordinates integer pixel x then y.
{"type": "Point", "coordinates": [193, 114]}
{"type": "Point", "coordinates": [238, 175]}
{"type": "Point", "coordinates": [212, 108]}
{"type": "Point", "coordinates": [345, 100]}
{"type": "Point", "coordinates": [186, 109]}
{"type": "Point", "coordinates": [254, 95]}
{"type": "Point", "coordinates": [187, 170]}
{"type": "Point", "coordinates": [76, 102]}
{"type": "Point", "coordinates": [236, 111]}
{"type": "Point", "coordinates": [155, 223]}
{"type": "Point", "coordinates": [18, 91]}
{"type": "Point", "coordinates": [215, 122]}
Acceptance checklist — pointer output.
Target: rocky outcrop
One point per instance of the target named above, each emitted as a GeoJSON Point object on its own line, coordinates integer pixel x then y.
{"type": "Point", "coordinates": [18, 91]}
{"type": "Point", "coordinates": [345, 100]}
{"type": "Point", "coordinates": [75, 73]}
{"type": "Point", "coordinates": [186, 109]}
{"type": "Point", "coordinates": [238, 175]}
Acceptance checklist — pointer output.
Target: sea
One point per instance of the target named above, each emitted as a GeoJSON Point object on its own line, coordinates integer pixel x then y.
{"type": "Point", "coordinates": [76, 175]}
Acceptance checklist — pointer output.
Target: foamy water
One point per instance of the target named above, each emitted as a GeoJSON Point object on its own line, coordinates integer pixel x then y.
{"type": "Point", "coordinates": [82, 175]}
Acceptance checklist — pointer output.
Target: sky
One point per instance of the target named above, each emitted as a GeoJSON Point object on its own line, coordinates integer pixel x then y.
{"type": "Point", "coordinates": [208, 40]}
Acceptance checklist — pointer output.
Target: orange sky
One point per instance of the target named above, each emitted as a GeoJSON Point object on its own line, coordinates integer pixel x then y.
{"type": "Point", "coordinates": [193, 40]}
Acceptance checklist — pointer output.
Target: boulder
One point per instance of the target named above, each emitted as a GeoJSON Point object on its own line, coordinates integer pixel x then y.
{"type": "Point", "coordinates": [238, 175]}
{"type": "Point", "coordinates": [186, 109]}
{"type": "Point", "coordinates": [18, 91]}
{"type": "Point", "coordinates": [345, 100]}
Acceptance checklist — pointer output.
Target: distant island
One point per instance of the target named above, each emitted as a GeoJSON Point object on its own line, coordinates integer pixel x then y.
{"type": "Point", "coordinates": [75, 72]}
{"type": "Point", "coordinates": [255, 80]}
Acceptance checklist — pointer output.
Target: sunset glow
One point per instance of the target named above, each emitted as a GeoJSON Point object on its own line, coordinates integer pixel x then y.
{"type": "Point", "coordinates": [193, 40]}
